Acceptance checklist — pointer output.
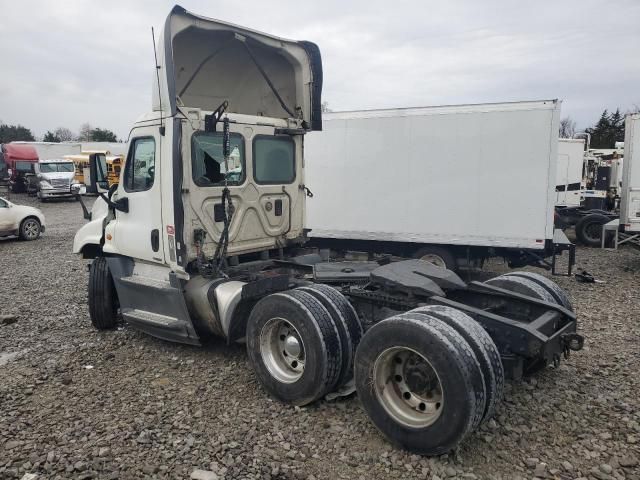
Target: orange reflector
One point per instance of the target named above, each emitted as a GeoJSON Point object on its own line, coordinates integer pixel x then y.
{"type": "Point", "coordinates": [109, 237]}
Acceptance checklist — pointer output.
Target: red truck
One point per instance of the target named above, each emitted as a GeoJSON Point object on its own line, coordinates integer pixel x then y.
{"type": "Point", "coordinates": [17, 165]}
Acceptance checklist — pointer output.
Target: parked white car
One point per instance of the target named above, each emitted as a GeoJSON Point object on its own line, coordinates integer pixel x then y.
{"type": "Point", "coordinates": [21, 220]}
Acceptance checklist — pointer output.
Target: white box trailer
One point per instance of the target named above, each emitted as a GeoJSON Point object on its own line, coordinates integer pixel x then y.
{"type": "Point", "coordinates": [569, 177]}
{"type": "Point", "coordinates": [630, 193]}
{"type": "Point", "coordinates": [54, 150]}
{"type": "Point", "coordinates": [448, 184]}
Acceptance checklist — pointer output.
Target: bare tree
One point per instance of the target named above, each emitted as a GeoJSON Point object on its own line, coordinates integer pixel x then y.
{"type": "Point", "coordinates": [567, 128]}
{"type": "Point", "coordinates": [64, 134]}
{"type": "Point", "coordinates": [85, 132]}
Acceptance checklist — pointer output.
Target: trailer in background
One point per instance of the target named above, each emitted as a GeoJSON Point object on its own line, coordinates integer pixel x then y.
{"type": "Point", "coordinates": [630, 192]}
{"type": "Point", "coordinates": [570, 169]}
{"type": "Point", "coordinates": [586, 189]}
{"type": "Point", "coordinates": [53, 150]}
{"type": "Point", "coordinates": [116, 148]}
{"type": "Point", "coordinates": [453, 185]}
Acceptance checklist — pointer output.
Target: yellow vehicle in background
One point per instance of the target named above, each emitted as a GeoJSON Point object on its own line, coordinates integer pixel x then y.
{"type": "Point", "coordinates": [114, 165]}
{"type": "Point", "coordinates": [81, 162]}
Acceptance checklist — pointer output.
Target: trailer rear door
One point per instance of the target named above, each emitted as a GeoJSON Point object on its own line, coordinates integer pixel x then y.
{"type": "Point", "coordinates": [630, 197]}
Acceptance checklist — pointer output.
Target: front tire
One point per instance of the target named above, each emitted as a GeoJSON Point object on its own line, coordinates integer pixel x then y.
{"type": "Point", "coordinates": [103, 299]}
{"type": "Point", "coordinates": [30, 229]}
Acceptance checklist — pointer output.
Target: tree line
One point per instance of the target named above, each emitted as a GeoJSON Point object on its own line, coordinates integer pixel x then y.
{"type": "Point", "coordinates": [87, 133]}
{"type": "Point", "coordinates": [608, 130]}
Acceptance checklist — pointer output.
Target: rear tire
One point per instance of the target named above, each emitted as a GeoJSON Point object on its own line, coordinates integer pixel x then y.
{"type": "Point", "coordinates": [438, 256]}
{"type": "Point", "coordinates": [523, 286]}
{"type": "Point", "coordinates": [589, 229]}
{"type": "Point", "coordinates": [550, 286]}
{"type": "Point", "coordinates": [294, 347]}
{"type": "Point", "coordinates": [340, 322]}
{"type": "Point", "coordinates": [482, 345]}
{"type": "Point", "coordinates": [416, 384]}
{"type": "Point", "coordinates": [103, 299]}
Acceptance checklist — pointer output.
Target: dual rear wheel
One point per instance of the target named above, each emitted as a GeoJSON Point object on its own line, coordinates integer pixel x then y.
{"type": "Point", "coordinates": [428, 377]}
{"type": "Point", "coordinates": [301, 343]}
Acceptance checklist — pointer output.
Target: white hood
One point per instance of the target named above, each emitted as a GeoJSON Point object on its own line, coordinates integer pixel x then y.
{"type": "Point", "coordinates": [204, 62]}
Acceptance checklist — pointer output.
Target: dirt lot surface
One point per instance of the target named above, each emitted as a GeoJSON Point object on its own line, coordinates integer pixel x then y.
{"type": "Point", "coordinates": [75, 403]}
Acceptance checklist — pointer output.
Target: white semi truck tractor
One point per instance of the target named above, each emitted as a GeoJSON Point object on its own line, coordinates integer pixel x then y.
{"type": "Point", "coordinates": [205, 235]}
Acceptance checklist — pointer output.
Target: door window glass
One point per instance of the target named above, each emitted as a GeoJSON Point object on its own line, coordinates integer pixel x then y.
{"type": "Point", "coordinates": [207, 161]}
{"type": "Point", "coordinates": [140, 167]}
{"type": "Point", "coordinates": [3, 204]}
{"type": "Point", "coordinates": [273, 160]}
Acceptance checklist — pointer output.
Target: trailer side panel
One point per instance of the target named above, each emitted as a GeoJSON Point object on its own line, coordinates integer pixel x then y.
{"type": "Point", "coordinates": [464, 175]}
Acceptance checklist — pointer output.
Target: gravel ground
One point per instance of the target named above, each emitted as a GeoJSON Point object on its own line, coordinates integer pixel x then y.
{"type": "Point", "coordinates": [75, 403]}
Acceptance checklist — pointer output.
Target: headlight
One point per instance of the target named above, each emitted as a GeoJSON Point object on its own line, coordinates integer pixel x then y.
{"type": "Point", "coordinates": [44, 184]}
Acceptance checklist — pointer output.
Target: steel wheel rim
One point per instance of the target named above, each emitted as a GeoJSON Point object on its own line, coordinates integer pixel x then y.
{"type": "Point", "coordinates": [408, 387]}
{"type": "Point", "coordinates": [434, 259]}
{"type": "Point", "coordinates": [282, 350]}
{"type": "Point", "coordinates": [31, 229]}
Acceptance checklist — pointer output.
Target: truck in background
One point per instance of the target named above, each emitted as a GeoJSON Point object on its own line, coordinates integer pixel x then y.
{"type": "Point", "coordinates": [18, 162]}
{"type": "Point", "coordinates": [452, 185]}
{"type": "Point", "coordinates": [55, 179]}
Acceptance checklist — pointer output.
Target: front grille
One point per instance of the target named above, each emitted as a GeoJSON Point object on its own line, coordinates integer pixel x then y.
{"type": "Point", "coordinates": [60, 183]}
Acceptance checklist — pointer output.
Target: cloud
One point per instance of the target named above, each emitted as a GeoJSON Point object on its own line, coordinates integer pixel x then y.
{"type": "Point", "coordinates": [79, 61]}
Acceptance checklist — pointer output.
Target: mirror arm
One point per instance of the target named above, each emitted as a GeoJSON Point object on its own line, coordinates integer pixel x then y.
{"type": "Point", "coordinates": [122, 204]}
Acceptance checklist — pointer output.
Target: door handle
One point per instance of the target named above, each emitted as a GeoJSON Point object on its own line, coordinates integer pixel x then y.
{"type": "Point", "coordinates": [155, 240]}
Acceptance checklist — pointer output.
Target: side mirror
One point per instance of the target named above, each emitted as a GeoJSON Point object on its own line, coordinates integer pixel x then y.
{"type": "Point", "coordinates": [78, 189]}
{"type": "Point", "coordinates": [98, 173]}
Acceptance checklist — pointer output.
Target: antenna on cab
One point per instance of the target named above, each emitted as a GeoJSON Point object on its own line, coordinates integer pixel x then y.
{"type": "Point", "coordinates": [155, 54]}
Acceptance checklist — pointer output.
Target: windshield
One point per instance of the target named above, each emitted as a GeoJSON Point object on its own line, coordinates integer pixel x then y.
{"type": "Point", "coordinates": [24, 166]}
{"type": "Point", "coordinates": [56, 167]}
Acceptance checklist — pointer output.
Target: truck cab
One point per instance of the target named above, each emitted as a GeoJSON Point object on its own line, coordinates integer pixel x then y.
{"type": "Point", "coordinates": [55, 178]}
{"type": "Point", "coordinates": [19, 164]}
{"type": "Point", "coordinates": [177, 190]}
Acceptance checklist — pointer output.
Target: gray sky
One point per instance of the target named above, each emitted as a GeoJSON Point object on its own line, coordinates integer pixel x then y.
{"type": "Point", "coordinates": [67, 62]}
